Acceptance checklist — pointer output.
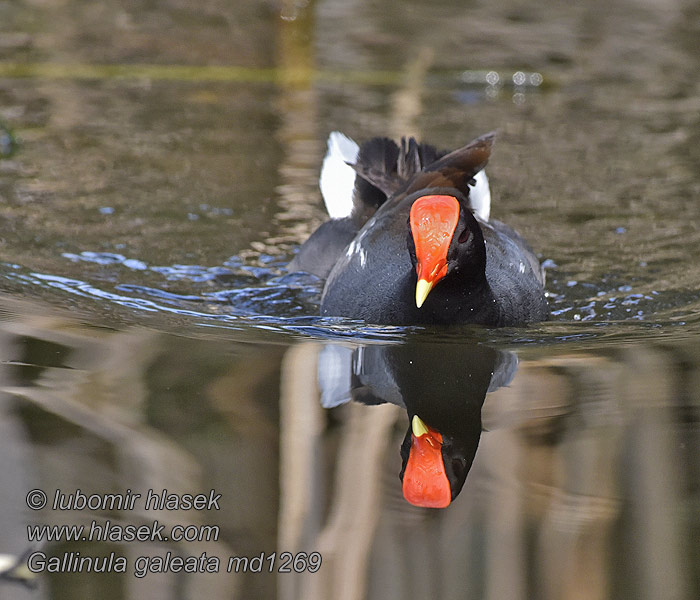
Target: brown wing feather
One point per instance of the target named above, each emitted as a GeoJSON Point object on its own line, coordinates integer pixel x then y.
{"type": "Point", "coordinates": [456, 169]}
{"type": "Point", "coordinates": [389, 167]}
{"type": "Point", "coordinates": [419, 166]}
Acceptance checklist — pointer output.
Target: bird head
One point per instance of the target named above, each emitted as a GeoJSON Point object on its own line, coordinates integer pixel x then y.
{"type": "Point", "coordinates": [444, 238]}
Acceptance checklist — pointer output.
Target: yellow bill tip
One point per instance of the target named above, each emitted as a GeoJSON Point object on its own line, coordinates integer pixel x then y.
{"type": "Point", "coordinates": [423, 288]}
{"type": "Point", "coordinates": [418, 427]}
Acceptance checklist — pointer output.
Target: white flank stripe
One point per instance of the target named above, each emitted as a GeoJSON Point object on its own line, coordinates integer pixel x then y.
{"type": "Point", "coordinates": [337, 178]}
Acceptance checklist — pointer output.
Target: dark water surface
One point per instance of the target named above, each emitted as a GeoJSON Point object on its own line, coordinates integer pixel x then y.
{"type": "Point", "coordinates": [159, 167]}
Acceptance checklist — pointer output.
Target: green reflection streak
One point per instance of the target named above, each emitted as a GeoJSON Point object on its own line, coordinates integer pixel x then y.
{"type": "Point", "coordinates": [193, 74]}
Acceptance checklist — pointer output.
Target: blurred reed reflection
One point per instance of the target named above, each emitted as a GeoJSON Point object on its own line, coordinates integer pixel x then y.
{"type": "Point", "coordinates": [585, 483]}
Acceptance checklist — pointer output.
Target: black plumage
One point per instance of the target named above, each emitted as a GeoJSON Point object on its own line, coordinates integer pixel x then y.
{"type": "Point", "coordinates": [369, 261]}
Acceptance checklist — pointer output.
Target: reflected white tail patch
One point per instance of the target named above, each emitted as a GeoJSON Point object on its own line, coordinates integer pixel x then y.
{"type": "Point", "coordinates": [337, 178]}
{"type": "Point", "coordinates": [480, 196]}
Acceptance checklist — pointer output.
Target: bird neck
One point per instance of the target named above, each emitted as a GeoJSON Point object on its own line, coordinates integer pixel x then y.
{"type": "Point", "coordinates": [477, 302]}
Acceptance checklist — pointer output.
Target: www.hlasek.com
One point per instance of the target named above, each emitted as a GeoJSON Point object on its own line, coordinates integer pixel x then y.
{"type": "Point", "coordinates": [110, 531]}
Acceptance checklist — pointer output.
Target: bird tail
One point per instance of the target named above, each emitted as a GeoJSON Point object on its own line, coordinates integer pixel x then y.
{"type": "Point", "coordinates": [384, 169]}
{"type": "Point", "coordinates": [337, 176]}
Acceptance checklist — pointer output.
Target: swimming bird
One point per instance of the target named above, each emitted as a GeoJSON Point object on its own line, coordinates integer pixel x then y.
{"type": "Point", "coordinates": [410, 239]}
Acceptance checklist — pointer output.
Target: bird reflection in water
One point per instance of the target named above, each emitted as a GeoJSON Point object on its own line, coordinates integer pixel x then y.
{"type": "Point", "coordinates": [442, 387]}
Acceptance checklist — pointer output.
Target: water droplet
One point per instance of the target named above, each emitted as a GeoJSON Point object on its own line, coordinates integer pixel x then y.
{"type": "Point", "coordinates": [536, 79]}
{"type": "Point", "coordinates": [519, 78]}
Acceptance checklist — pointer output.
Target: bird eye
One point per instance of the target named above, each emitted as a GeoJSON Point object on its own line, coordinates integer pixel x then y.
{"type": "Point", "coordinates": [459, 465]}
{"type": "Point", "coordinates": [464, 236]}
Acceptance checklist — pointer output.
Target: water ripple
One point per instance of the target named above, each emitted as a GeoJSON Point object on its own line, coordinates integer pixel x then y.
{"type": "Point", "coordinates": [266, 297]}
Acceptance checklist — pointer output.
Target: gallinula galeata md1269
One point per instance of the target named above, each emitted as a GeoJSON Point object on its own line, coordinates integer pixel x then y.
{"type": "Point", "coordinates": [410, 240]}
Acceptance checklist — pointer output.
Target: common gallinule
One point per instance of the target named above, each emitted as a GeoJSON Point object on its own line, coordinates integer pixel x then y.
{"type": "Point", "coordinates": [441, 386]}
{"type": "Point", "coordinates": [410, 241]}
